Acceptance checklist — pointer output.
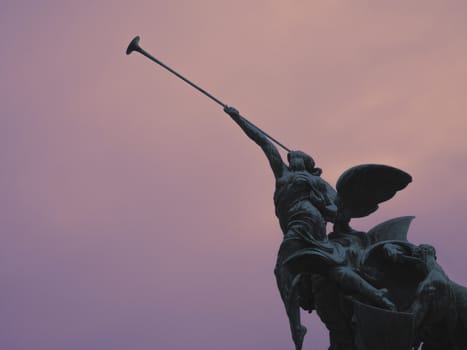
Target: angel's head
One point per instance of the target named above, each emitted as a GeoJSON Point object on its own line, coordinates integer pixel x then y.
{"type": "Point", "coordinates": [300, 161]}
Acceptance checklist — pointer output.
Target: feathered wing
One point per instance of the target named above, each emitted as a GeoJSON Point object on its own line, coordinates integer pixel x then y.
{"type": "Point", "coordinates": [361, 188]}
{"type": "Point", "coordinates": [394, 229]}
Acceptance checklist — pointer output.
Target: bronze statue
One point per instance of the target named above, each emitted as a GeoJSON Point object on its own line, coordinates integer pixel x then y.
{"type": "Point", "coordinates": [372, 290]}
{"type": "Point", "coordinates": [338, 274]}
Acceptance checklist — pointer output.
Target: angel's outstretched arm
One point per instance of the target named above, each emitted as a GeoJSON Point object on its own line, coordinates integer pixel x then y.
{"type": "Point", "coordinates": [271, 152]}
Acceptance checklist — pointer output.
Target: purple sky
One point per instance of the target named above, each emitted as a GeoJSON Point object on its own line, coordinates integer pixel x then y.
{"type": "Point", "coordinates": [136, 215]}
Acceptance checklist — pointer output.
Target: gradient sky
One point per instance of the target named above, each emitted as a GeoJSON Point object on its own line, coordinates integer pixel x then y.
{"type": "Point", "coordinates": [136, 215]}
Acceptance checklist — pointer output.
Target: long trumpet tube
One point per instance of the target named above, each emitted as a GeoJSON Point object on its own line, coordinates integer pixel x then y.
{"type": "Point", "coordinates": [134, 46]}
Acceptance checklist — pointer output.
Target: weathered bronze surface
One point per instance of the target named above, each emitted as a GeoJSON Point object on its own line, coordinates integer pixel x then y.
{"type": "Point", "coordinates": [372, 290]}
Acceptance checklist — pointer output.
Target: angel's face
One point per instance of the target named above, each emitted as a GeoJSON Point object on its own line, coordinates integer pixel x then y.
{"type": "Point", "coordinates": [299, 161]}
{"type": "Point", "coordinates": [296, 161]}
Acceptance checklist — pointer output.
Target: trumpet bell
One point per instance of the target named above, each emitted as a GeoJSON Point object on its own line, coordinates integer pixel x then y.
{"type": "Point", "coordinates": [133, 46]}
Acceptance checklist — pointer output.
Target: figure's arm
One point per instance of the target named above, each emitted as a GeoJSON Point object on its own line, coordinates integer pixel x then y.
{"type": "Point", "coordinates": [330, 196]}
{"type": "Point", "coordinates": [271, 152]}
{"type": "Point", "coordinates": [323, 196]}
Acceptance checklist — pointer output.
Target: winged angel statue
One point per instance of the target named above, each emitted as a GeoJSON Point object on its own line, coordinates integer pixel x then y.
{"type": "Point", "coordinates": [372, 290]}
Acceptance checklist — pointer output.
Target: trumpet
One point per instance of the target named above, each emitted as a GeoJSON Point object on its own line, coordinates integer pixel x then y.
{"type": "Point", "coordinates": [134, 46]}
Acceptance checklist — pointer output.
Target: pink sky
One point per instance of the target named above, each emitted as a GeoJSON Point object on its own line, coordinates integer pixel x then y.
{"type": "Point", "coordinates": [136, 215]}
